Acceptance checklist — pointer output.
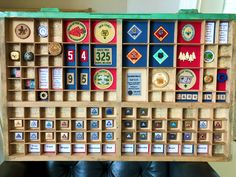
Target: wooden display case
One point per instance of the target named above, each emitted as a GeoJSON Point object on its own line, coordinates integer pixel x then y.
{"type": "Point", "coordinates": [86, 86]}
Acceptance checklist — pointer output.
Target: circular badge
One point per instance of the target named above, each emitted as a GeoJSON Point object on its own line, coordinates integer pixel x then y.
{"type": "Point", "coordinates": [22, 31]}
{"type": "Point", "coordinates": [208, 79]}
{"type": "Point", "coordinates": [76, 31]}
{"type": "Point", "coordinates": [104, 32]}
{"type": "Point", "coordinates": [43, 31]}
{"type": "Point", "coordinates": [160, 79]}
{"type": "Point", "coordinates": [54, 48]}
{"type": "Point", "coordinates": [188, 32]}
{"type": "Point", "coordinates": [43, 95]}
{"type": "Point", "coordinates": [103, 79]}
{"type": "Point", "coordinates": [28, 56]}
{"type": "Point", "coordinates": [209, 56]}
{"type": "Point", "coordinates": [186, 79]}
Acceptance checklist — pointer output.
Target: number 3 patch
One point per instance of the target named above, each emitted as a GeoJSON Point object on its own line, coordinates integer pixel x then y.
{"type": "Point", "coordinates": [102, 56]}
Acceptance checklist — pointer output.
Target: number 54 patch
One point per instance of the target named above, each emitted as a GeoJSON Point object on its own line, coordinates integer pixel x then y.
{"type": "Point", "coordinates": [102, 56]}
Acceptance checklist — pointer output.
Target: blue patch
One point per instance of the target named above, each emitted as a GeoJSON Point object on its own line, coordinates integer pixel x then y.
{"type": "Point", "coordinates": [142, 62]}
{"type": "Point", "coordinates": [94, 55]}
{"type": "Point", "coordinates": [70, 79]}
{"type": "Point", "coordinates": [83, 55]}
{"type": "Point", "coordinates": [135, 32]}
{"type": "Point", "coordinates": [161, 56]}
{"type": "Point", "coordinates": [168, 26]}
{"type": "Point", "coordinates": [69, 55]}
{"type": "Point", "coordinates": [83, 79]}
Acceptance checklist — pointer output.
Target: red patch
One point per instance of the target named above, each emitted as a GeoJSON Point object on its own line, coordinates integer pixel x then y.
{"type": "Point", "coordinates": [94, 23]}
{"type": "Point", "coordinates": [221, 86]}
{"type": "Point", "coordinates": [197, 27]}
{"type": "Point", "coordinates": [113, 85]}
{"type": "Point", "coordinates": [188, 56]}
{"type": "Point", "coordinates": [76, 31]}
{"type": "Point", "coordinates": [197, 84]}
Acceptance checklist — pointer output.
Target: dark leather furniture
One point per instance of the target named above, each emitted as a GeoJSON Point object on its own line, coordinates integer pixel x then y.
{"type": "Point", "coordinates": [106, 169]}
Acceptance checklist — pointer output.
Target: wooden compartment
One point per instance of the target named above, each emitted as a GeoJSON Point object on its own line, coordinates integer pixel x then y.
{"type": "Point", "coordinates": [117, 89]}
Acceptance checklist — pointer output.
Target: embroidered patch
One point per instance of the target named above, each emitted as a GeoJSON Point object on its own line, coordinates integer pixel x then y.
{"type": "Point", "coordinates": [188, 32]}
{"type": "Point", "coordinates": [160, 56]}
{"type": "Point", "coordinates": [161, 33]}
{"type": "Point", "coordinates": [134, 32]}
{"type": "Point", "coordinates": [134, 56]}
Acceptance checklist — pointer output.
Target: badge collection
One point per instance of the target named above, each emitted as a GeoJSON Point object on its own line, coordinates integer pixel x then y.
{"type": "Point", "coordinates": [161, 61]}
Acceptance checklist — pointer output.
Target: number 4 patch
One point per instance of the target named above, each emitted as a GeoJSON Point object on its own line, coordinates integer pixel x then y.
{"type": "Point", "coordinates": [83, 55]}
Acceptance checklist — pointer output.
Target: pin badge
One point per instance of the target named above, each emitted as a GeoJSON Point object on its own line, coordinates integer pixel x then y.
{"type": "Point", "coordinates": [217, 137]}
{"type": "Point", "coordinates": [48, 124]}
{"type": "Point", "coordinates": [15, 55]}
{"type": "Point", "coordinates": [188, 124]}
{"type": "Point", "coordinates": [172, 136]}
{"type": "Point", "coordinates": [104, 31]}
{"type": "Point", "coordinates": [209, 56]}
{"type": "Point", "coordinates": [143, 136]}
{"type": "Point", "coordinates": [128, 123]}
{"type": "Point", "coordinates": [33, 136]}
{"type": "Point", "coordinates": [129, 135]}
{"type": "Point", "coordinates": [18, 136]}
{"type": "Point", "coordinates": [64, 124]}
{"type": "Point", "coordinates": [109, 136]}
{"type": "Point", "coordinates": [128, 111]}
{"type": "Point", "coordinates": [158, 136]}
{"type": "Point", "coordinates": [143, 111]}
{"type": "Point", "coordinates": [49, 136]}
{"type": "Point", "coordinates": [94, 124]}
{"type": "Point", "coordinates": [79, 136]}
{"type": "Point", "coordinates": [94, 136]}
{"type": "Point", "coordinates": [43, 96]}
{"type": "Point", "coordinates": [203, 124]}
{"type": "Point", "coordinates": [28, 56]}
{"type": "Point", "coordinates": [54, 48]}
{"type": "Point", "coordinates": [64, 136]}
{"type": "Point", "coordinates": [79, 124]}
{"type": "Point", "coordinates": [33, 124]}
{"type": "Point", "coordinates": [218, 124]}
{"type": "Point", "coordinates": [22, 31]}
{"type": "Point", "coordinates": [109, 111]}
{"type": "Point", "coordinates": [109, 123]}
{"type": "Point", "coordinates": [187, 136]}
{"type": "Point", "coordinates": [202, 136]}
{"type": "Point", "coordinates": [157, 124]}
{"type": "Point", "coordinates": [160, 79]}
{"type": "Point", "coordinates": [43, 31]}
{"type": "Point", "coordinates": [18, 123]}
{"type": "Point", "coordinates": [173, 124]}
{"type": "Point", "coordinates": [143, 124]}
{"type": "Point", "coordinates": [208, 79]}
{"type": "Point", "coordinates": [94, 111]}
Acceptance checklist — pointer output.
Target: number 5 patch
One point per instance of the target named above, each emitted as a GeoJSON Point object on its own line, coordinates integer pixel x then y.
{"type": "Point", "coordinates": [83, 78]}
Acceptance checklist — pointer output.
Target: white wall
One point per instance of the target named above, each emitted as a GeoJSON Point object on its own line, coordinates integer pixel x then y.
{"type": "Point", "coordinates": [96, 5]}
{"type": "Point", "coordinates": [152, 6]}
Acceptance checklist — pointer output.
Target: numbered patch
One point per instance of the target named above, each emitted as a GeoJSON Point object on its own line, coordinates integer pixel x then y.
{"type": "Point", "coordinates": [83, 78]}
{"type": "Point", "coordinates": [70, 77]}
{"type": "Point", "coordinates": [83, 55]}
{"type": "Point", "coordinates": [102, 56]}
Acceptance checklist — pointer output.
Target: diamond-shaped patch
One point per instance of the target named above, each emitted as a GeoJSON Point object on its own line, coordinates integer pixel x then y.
{"type": "Point", "coordinates": [161, 33]}
{"type": "Point", "coordinates": [134, 32]}
{"type": "Point", "coordinates": [160, 56]}
{"type": "Point", "coordinates": [134, 56]}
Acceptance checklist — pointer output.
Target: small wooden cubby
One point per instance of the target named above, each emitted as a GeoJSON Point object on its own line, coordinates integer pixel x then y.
{"type": "Point", "coordinates": [157, 87]}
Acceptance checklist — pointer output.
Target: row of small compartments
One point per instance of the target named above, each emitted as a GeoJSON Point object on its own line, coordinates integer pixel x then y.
{"type": "Point", "coordinates": [203, 136]}
{"type": "Point", "coordinates": [133, 55]}
{"type": "Point", "coordinates": [105, 31]}
{"type": "Point", "coordinates": [126, 148]}
{"type": "Point", "coordinates": [127, 112]}
{"type": "Point", "coordinates": [126, 124]}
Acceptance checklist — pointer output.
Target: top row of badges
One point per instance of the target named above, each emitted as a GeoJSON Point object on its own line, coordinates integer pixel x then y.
{"type": "Point", "coordinates": [137, 31]}
{"type": "Point", "coordinates": [105, 31]}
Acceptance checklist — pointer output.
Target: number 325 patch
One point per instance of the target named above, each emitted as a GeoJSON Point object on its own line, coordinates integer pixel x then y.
{"type": "Point", "coordinates": [102, 56]}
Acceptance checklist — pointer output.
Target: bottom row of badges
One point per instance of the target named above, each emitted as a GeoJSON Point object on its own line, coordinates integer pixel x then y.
{"type": "Point", "coordinates": [126, 148]}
